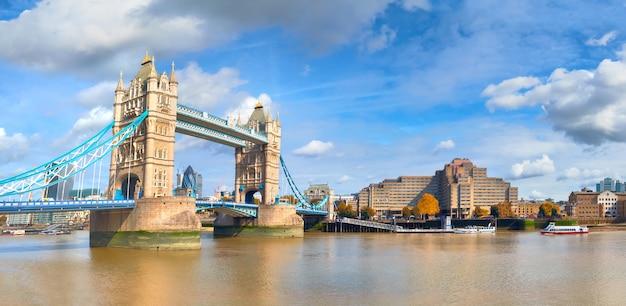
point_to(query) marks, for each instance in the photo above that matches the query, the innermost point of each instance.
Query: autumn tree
(416, 211)
(479, 212)
(549, 209)
(428, 205)
(502, 210)
(345, 210)
(406, 212)
(368, 212)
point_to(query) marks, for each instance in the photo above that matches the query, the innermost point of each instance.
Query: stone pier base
(272, 221)
(165, 223)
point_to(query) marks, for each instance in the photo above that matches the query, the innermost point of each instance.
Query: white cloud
(205, 91)
(588, 106)
(602, 41)
(506, 94)
(536, 195)
(245, 108)
(315, 148)
(573, 173)
(529, 168)
(445, 145)
(13, 147)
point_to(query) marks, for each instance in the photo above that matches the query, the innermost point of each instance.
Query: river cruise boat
(473, 229)
(553, 229)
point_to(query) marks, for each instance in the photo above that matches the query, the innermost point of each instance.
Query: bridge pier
(272, 221)
(164, 223)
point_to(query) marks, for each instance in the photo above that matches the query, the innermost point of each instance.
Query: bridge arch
(130, 187)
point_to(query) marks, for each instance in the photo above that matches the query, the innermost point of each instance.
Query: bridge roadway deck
(236, 209)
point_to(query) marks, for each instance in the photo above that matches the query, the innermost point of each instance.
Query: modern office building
(459, 187)
(610, 185)
(190, 180)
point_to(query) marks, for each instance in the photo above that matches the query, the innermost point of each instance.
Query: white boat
(473, 229)
(553, 229)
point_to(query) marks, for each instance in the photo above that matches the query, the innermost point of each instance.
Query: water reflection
(506, 268)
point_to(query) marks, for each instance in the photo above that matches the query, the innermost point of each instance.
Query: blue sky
(535, 91)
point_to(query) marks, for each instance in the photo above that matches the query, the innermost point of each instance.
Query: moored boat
(553, 229)
(473, 229)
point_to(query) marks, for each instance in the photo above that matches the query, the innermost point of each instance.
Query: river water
(506, 268)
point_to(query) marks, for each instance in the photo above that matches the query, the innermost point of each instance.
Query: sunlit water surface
(506, 268)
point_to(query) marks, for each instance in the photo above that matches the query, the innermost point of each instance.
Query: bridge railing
(44, 206)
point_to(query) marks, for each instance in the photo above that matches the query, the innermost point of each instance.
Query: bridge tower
(143, 166)
(257, 166)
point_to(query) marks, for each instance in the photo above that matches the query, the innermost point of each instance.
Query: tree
(549, 209)
(479, 212)
(344, 210)
(416, 211)
(406, 212)
(428, 205)
(368, 212)
(502, 210)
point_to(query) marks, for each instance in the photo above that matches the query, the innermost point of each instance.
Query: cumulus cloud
(445, 145)
(602, 41)
(315, 148)
(14, 147)
(204, 91)
(77, 36)
(534, 168)
(245, 107)
(574, 173)
(588, 106)
(535, 195)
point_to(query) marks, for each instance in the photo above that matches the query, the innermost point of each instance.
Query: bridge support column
(271, 221)
(165, 223)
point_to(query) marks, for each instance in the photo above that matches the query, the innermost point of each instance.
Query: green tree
(344, 210)
(367, 212)
(406, 212)
(428, 205)
(502, 210)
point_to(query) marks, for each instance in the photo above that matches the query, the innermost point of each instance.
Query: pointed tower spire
(173, 75)
(120, 83)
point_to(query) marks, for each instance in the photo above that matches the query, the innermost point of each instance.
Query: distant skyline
(534, 91)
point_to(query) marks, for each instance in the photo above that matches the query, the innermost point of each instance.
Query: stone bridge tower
(143, 165)
(257, 167)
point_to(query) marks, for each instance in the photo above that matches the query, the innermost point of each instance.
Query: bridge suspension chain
(302, 200)
(71, 163)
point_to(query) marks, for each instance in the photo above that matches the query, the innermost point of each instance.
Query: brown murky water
(506, 268)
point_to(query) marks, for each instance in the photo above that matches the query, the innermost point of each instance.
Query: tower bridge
(146, 117)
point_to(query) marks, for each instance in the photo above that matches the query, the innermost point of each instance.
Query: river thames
(506, 268)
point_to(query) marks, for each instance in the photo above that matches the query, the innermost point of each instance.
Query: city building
(61, 189)
(526, 209)
(588, 204)
(610, 185)
(459, 187)
(189, 183)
